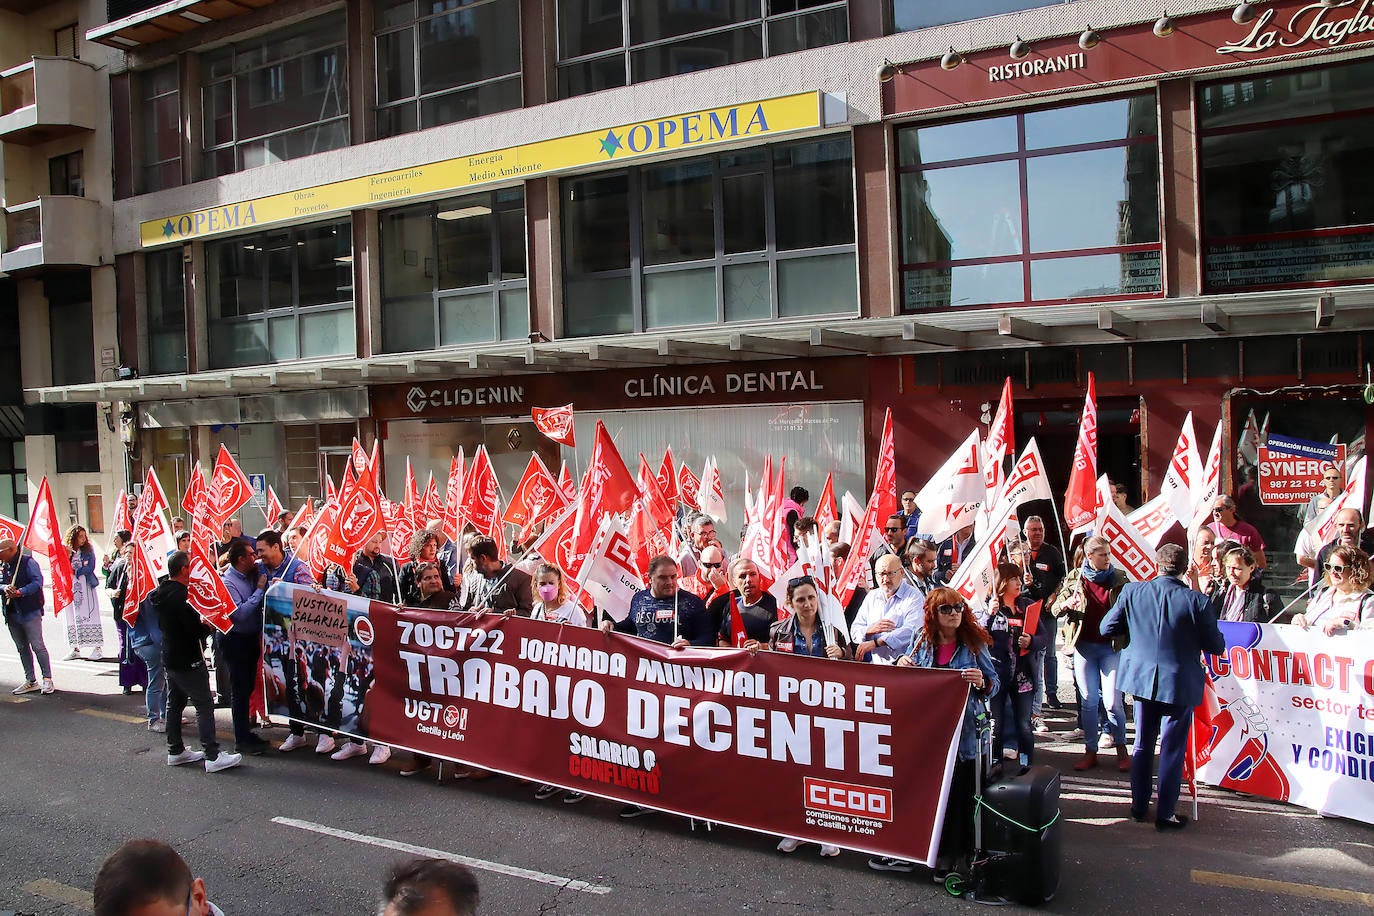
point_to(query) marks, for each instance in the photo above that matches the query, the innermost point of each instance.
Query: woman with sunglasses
(1012, 649)
(804, 633)
(1347, 603)
(1244, 598)
(951, 638)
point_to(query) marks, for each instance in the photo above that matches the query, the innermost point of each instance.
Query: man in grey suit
(1169, 626)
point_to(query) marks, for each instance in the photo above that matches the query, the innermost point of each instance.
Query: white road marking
(513, 871)
(62, 893)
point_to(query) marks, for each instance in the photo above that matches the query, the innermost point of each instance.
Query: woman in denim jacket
(951, 638)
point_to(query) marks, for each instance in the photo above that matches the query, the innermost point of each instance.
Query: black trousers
(956, 839)
(191, 684)
(241, 652)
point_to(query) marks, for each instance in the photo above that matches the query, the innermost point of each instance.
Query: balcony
(48, 98)
(56, 231)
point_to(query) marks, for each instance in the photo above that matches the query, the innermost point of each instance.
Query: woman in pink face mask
(553, 604)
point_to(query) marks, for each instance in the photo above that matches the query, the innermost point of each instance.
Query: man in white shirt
(890, 616)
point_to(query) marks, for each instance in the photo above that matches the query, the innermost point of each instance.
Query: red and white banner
(1081, 499)
(609, 570)
(1287, 724)
(830, 752)
(1131, 553)
(229, 489)
(122, 520)
(951, 498)
(536, 496)
(1153, 520)
(826, 512)
(1000, 442)
(9, 528)
(274, 506)
(480, 495)
(556, 423)
(45, 537)
(1181, 476)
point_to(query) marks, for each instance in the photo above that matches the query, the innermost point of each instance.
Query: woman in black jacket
(1012, 649)
(1244, 598)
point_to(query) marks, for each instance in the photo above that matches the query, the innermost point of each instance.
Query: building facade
(415, 222)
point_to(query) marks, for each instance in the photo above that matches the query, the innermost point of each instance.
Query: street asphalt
(299, 833)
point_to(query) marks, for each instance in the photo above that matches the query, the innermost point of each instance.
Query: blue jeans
(28, 639)
(1095, 671)
(157, 680)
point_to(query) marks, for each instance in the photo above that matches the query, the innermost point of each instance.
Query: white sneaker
(324, 745)
(380, 754)
(176, 760)
(1075, 735)
(1106, 742)
(158, 725)
(47, 685)
(292, 742)
(74, 654)
(95, 654)
(349, 750)
(788, 844)
(26, 687)
(223, 762)
(829, 851)
(1039, 725)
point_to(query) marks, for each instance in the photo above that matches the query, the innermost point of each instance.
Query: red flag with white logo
(359, 519)
(313, 548)
(45, 537)
(854, 572)
(195, 491)
(950, 500)
(206, 591)
(229, 491)
(434, 506)
(1081, 499)
(1131, 553)
(9, 528)
(608, 571)
(536, 496)
(565, 482)
(453, 497)
(737, 635)
(122, 519)
(302, 517)
(687, 486)
(556, 423)
(480, 495)
(667, 476)
(1000, 442)
(411, 496)
(711, 494)
(401, 523)
(606, 487)
(151, 528)
(274, 506)
(141, 583)
(1180, 477)
(826, 512)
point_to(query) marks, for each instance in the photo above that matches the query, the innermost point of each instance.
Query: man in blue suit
(1169, 626)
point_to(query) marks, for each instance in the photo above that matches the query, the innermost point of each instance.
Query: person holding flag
(746, 607)
(804, 633)
(242, 645)
(21, 586)
(1013, 648)
(497, 586)
(1168, 626)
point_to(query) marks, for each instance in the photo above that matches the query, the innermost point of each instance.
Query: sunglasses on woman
(950, 610)
(1338, 570)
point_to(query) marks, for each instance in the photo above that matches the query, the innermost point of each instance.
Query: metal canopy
(168, 20)
(1349, 309)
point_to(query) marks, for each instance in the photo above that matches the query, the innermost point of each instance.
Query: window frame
(155, 327)
(494, 288)
(148, 98)
(771, 255)
(1021, 156)
(419, 97)
(628, 48)
(250, 50)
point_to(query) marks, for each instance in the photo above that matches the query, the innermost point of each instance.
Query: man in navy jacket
(21, 586)
(1169, 626)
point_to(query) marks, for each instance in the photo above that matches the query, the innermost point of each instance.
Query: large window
(607, 43)
(742, 236)
(279, 96)
(919, 14)
(1042, 206)
(1287, 194)
(281, 295)
(160, 120)
(453, 272)
(445, 62)
(166, 312)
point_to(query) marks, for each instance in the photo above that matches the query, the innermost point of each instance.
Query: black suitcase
(1021, 836)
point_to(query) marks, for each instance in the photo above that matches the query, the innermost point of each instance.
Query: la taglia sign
(1200, 43)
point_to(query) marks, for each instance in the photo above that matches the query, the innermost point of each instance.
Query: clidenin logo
(417, 399)
(686, 130)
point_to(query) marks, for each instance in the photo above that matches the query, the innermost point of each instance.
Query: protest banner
(853, 755)
(1290, 470)
(316, 665)
(1295, 708)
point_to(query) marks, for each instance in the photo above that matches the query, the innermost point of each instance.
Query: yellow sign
(751, 120)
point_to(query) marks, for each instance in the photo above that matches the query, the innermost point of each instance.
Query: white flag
(608, 572)
(1131, 553)
(711, 496)
(1179, 477)
(1323, 527)
(1206, 487)
(950, 500)
(1153, 519)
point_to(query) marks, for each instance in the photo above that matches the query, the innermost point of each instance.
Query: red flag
(141, 583)
(1081, 499)
(855, 568)
(274, 506)
(401, 523)
(1000, 442)
(11, 529)
(565, 482)
(360, 458)
(606, 487)
(667, 477)
(555, 545)
(885, 474)
(556, 423)
(411, 496)
(453, 497)
(122, 521)
(687, 486)
(302, 516)
(536, 496)
(737, 634)
(826, 512)
(330, 494)
(359, 519)
(150, 522)
(206, 591)
(229, 488)
(434, 506)
(195, 491)
(45, 537)
(651, 519)
(314, 546)
(780, 551)
(480, 494)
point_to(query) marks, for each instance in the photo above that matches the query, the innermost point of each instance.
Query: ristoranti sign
(1199, 43)
(774, 382)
